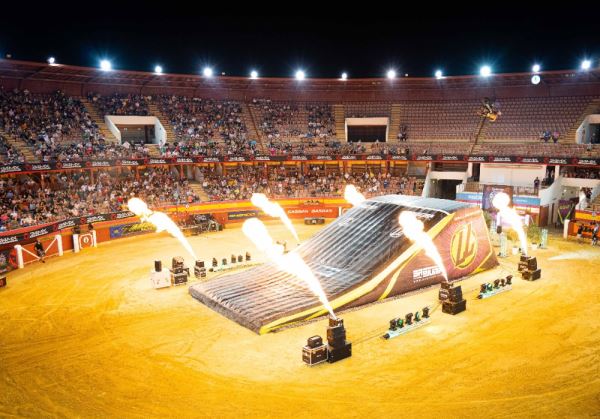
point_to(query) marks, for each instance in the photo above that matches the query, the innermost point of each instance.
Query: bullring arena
(443, 266)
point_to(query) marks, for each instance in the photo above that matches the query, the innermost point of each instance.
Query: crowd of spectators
(580, 172)
(243, 182)
(9, 154)
(25, 201)
(206, 127)
(121, 104)
(45, 118)
(89, 149)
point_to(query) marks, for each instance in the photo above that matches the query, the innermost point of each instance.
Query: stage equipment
(487, 290)
(199, 269)
(399, 326)
(315, 351)
(529, 269)
(452, 299)
(2, 281)
(248, 257)
(240, 258)
(215, 263)
(179, 272)
(233, 259)
(224, 261)
(160, 278)
(339, 347)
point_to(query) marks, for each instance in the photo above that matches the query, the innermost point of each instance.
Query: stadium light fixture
(536, 79)
(105, 65)
(586, 65)
(254, 74)
(158, 69)
(391, 74)
(300, 75)
(207, 72)
(344, 76)
(51, 60)
(536, 68)
(485, 71)
(439, 74)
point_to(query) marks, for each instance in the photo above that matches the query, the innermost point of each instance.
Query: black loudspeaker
(177, 262)
(233, 259)
(2, 281)
(499, 229)
(314, 341)
(316, 355)
(215, 263)
(454, 308)
(240, 258)
(224, 261)
(179, 278)
(157, 265)
(220, 227)
(532, 275)
(336, 335)
(248, 256)
(450, 292)
(338, 353)
(200, 264)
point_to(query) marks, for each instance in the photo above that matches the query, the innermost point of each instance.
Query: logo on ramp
(463, 246)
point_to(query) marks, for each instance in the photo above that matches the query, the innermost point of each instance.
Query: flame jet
(160, 220)
(500, 202)
(413, 229)
(274, 210)
(291, 262)
(353, 196)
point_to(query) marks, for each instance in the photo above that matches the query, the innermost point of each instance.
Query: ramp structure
(361, 257)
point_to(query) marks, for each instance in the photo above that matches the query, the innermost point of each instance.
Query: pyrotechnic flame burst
(161, 221)
(274, 210)
(412, 228)
(500, 202)
(353, 196)
(291, 262)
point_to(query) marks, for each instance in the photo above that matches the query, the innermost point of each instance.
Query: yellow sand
(85, 335)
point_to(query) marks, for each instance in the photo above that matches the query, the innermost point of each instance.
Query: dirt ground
(86, 336)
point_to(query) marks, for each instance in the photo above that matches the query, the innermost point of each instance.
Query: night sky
(459, 42)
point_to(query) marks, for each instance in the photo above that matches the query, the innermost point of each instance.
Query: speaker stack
(452, 299)
(339, 347)
(179, 273)
(199, 269)
(529, 269)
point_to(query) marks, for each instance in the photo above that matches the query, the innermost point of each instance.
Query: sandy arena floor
(87, 336)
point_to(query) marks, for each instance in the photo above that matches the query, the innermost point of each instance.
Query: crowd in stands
(206, 127)
(9, 154)
(44, 119)
(25, 201)
(121, 104)
(580, 172)
(296, 128)
(90, 149)
(242, 183)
